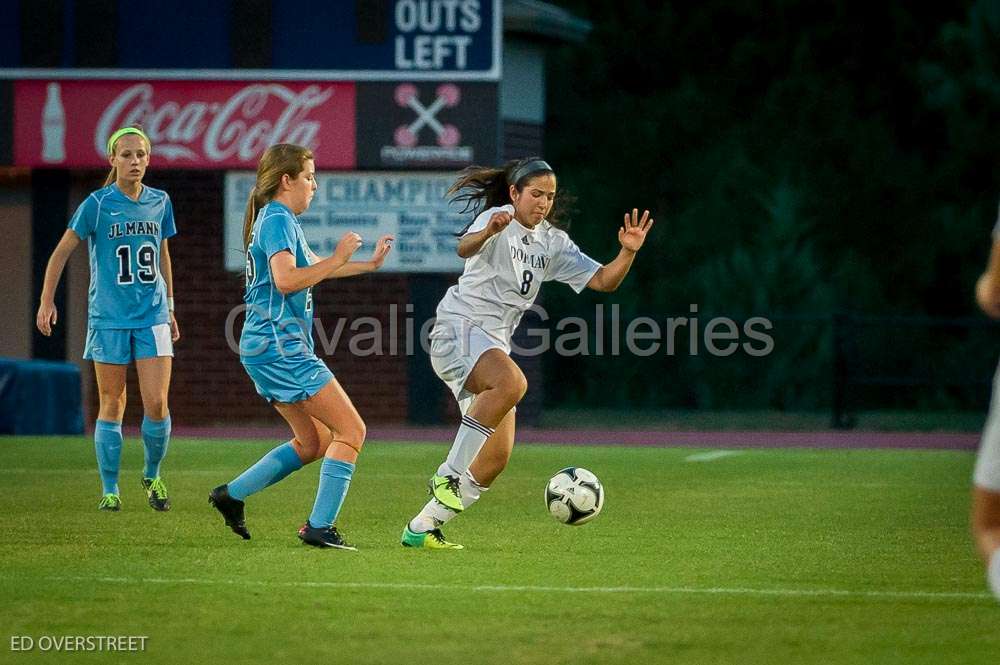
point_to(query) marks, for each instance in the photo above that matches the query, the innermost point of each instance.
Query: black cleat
(231, 509)
(325, 537)
(156, 492)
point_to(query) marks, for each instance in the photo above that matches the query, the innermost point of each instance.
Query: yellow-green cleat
(110, 502)
(446, 491)
(430, 540)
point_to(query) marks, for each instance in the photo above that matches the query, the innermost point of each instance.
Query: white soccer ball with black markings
(574, 496)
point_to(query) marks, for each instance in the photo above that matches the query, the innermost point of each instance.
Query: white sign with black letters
(410, 206)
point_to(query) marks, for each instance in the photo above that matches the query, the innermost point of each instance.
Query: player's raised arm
(352, 268)
(47, 315)
(289, 279)
(471, 243)
(631, 235)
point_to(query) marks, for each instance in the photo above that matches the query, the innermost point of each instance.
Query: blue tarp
(40, 397)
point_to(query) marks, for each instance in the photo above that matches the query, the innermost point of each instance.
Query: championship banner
(410, 206)
(192, 124)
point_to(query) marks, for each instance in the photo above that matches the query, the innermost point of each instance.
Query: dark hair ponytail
(484, 187)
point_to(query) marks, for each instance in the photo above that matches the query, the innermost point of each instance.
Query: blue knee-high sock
(108, 446)
(268, 470)
(334, 479)
(155, 439)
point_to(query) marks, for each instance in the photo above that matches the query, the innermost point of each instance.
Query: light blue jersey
(124, 236)
(277, 326)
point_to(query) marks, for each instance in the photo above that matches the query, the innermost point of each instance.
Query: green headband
(122, 132)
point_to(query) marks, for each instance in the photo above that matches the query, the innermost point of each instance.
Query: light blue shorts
(120, 346)
(290, 379)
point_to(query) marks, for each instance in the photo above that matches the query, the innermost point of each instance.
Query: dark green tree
(837, 156)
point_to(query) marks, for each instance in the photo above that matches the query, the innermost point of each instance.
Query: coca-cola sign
(191, 125)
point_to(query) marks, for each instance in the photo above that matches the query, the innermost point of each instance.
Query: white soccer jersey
(500, 282)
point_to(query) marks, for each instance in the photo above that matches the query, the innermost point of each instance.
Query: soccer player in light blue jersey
(276, 346)
(131, 318)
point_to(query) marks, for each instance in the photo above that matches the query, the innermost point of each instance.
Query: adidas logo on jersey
(526, 240)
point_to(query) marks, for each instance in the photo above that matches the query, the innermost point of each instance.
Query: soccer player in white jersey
(986, 478)
(511, 247)
(131, 311)
(276, 347)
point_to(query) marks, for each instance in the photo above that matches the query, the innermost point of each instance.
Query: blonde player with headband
(131, 310)
(513, 245)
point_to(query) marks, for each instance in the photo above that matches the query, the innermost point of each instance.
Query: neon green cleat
(446, 490)
(110, 502)
(431, 540)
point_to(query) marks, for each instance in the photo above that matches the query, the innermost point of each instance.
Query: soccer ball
(574, 496)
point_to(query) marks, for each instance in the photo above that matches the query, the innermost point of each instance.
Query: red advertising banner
(192, 124)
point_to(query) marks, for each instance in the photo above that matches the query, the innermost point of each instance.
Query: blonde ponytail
(278, 160)
(249, 216)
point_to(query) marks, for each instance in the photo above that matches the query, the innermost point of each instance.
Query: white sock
(471, 490)
(430, 517)
(433, 514)
(993, 573)
(468, 442)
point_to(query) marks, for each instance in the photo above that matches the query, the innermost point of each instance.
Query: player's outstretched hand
(987, 296)
(634, 229)
(498, 222)
(175, 331)
(382, 248)
(349, 243)
(46, 318)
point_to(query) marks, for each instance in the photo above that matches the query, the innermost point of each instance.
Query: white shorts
(455, 347)
(987, 473)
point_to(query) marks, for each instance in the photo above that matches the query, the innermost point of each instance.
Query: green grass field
(766, 556)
